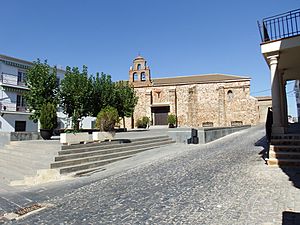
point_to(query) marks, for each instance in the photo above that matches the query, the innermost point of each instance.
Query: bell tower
(139, 72)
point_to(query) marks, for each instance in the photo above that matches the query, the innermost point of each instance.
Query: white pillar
(284, 104)
(276, 95)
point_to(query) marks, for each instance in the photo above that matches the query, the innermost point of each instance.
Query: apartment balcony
(12, 80)
(280, 42)
(12, 108)
(280, 46)
(281, 26)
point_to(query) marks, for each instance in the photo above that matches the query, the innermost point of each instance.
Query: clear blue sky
(176, 37)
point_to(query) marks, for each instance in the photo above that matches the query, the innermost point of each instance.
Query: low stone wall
(211, 134)
(205, 135)
(180, 135)
(24, 136)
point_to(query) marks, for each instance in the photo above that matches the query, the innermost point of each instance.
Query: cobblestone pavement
(224, 182)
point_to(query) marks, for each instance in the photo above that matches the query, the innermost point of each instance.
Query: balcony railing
(11, 79)
(280, 26)
(12, 107)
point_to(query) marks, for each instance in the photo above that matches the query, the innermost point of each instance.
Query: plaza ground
(223, 182)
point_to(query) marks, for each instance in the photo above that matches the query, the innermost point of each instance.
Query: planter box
(76, 138)
(102, 136)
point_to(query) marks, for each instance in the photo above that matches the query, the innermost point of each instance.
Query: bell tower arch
(139, 72)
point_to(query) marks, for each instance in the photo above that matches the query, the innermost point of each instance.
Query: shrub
(143, 122)
(107, 118)
(48, 117)
(171, 119)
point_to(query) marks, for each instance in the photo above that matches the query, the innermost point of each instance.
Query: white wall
(8, 122)
(86, 123)
(9, 69)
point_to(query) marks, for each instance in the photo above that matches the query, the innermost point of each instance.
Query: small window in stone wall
(93, 124)
(207, 124)
(0, 125)
(229, 95)
(236, 123)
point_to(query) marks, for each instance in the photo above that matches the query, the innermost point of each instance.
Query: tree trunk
(77, 125)
(124, 122)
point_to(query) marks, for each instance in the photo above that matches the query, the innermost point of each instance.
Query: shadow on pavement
(293, 174)
(290, 218)
(263, 143)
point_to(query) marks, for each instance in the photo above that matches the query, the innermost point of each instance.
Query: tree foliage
(76, 92)
(171, 119)
(125, 99)
(107, 118)
(42, 83)
(48, 117)
(103, 93)
(143, 122)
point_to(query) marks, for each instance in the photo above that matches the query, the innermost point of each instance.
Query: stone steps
(103, 150)
(83, 159)
(285, 150)
(82, 168)
(32, 162)
(284, 155)
(284, 162)
(89, 146)
(286, 142)
(286, 136)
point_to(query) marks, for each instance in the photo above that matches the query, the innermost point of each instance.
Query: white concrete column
(276, 95)
(284, 107)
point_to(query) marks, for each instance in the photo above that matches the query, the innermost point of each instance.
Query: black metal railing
(280, 26)
(12, 79)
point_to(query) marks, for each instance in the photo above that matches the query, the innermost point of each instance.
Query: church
(205, 100)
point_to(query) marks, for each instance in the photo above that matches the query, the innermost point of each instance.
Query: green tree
(75, 94)
(103, 93)
(107, 118)
(125, 99)
(48, 118)
(42, 83)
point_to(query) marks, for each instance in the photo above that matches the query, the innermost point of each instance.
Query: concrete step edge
(283, 160)
(287, 140)
(96, 148)
(284, 146)
(107, 144)
(284, 153)
(96, 164)
(105, 151)
(80, 161)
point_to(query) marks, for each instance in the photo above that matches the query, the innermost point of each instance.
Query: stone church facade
(209, 100)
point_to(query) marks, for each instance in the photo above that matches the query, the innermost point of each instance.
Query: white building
(14, 116)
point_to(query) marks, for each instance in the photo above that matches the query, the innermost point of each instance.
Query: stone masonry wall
(217, 104)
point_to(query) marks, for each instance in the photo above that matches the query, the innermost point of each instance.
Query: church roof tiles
(205, 78)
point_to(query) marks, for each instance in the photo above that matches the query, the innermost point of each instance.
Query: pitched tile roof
(204, 78)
